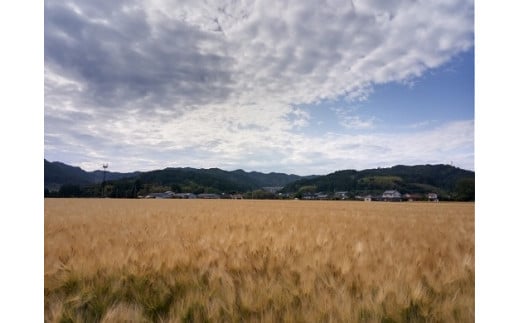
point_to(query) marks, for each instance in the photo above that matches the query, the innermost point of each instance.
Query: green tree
(465, 189)
(70, 190)
(263, 195)
(305, 190)
(176, 188)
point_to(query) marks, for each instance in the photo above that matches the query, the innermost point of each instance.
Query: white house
(391, 195)
(433, 197)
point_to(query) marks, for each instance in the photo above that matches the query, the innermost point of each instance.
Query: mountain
(180, 179)
(57, 174)
(444, 180)
(270, 179)
(447, 181)
(213, 180)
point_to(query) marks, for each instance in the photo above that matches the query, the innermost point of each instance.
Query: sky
(298, 87)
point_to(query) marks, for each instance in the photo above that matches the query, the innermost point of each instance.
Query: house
(341, 195)
(165, 195)
(391, 195)
(433, 197)
(208, 196)
(412, 197)
(321, 196)
(184, 196)
(308, 196)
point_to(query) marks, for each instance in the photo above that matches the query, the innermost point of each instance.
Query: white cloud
(448, 142)
(162, 83)
(421, 124)
(349, 119)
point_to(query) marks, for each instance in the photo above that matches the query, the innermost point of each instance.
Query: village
(274, 193)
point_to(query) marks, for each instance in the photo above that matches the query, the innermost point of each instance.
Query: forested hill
(57, 174)
(214, 179)
(445, 180)
(185, 179)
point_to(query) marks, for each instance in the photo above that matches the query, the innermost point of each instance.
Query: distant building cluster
(386, 196)
(172, 195)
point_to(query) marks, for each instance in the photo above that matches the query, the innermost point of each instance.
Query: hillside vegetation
(69, 181)
(450, 183)
(447, 181)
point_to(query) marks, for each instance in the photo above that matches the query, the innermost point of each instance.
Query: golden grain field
(258, 261)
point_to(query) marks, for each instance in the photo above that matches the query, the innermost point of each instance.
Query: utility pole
(105, 166)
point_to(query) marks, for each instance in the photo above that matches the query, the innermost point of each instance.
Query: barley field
(258, 261)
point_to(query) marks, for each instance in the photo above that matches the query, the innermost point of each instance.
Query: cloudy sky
(303, 87)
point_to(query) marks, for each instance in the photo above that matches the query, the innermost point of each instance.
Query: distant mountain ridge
(447, 181)
(57, 174)
(441, 179)
(216, 179)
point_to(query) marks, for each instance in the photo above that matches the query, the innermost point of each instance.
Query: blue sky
(291, 86)
(440, 95)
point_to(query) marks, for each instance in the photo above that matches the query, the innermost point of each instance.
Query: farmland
(258, 261)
